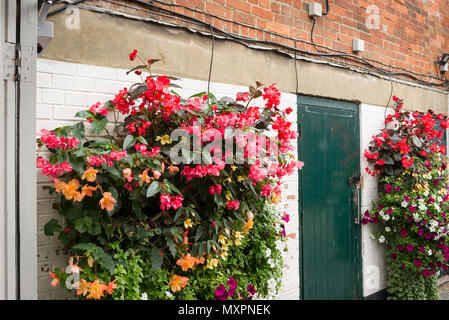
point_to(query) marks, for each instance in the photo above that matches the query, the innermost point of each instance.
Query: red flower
(407, 163)
(132, 55)
(233, 204)
(380, 162)
(371, 156)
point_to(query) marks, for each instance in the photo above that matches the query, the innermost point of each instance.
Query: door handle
(355, 181)
(356, 203)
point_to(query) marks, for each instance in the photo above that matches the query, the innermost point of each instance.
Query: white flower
(426, 193)
(271, 263)
(372, 236)
(387, 229)
(168, 294)
(404, 204)
(386, 217)
(144, 296)
(439, 199)
(268, 252)
(437, 207)
(422, 207)
(381, 239)
(429, 252)
(432, 229)
(272, 286)
(434, 223)
(416, 217)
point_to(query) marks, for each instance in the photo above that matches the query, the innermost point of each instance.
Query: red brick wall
(412, 33)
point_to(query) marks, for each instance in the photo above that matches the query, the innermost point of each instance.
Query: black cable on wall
(335, 54)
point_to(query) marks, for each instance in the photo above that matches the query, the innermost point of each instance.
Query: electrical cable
(211, 59)
(62, 8)
(389, 99)
(281, 35)
(342, 55)
(200, 22)
(327, 8)
(311, 37)
(296, 72)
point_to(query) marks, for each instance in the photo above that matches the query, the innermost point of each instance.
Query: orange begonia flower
(75, 269)
(275, 198)
(70, 189)
(58, 185)
(177, 283)
(83, 287)
(144, 177)
(87, 190)
(248, 226)
(96, 290)
(173, 169)
(187, 262)
(156, 174)
(90, 175)
(111, 286)
(107, 201)
(79, 196)
(127, 173)
(55, 281)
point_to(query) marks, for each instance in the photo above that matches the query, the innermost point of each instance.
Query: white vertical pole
(11, 181)
(8, 278)
(27, 151)
(2, 163)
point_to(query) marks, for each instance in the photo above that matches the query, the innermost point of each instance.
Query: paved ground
(444, 291)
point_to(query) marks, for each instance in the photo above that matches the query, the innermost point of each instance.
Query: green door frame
(339, 105)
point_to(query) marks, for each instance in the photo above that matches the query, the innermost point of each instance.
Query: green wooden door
(330, 234)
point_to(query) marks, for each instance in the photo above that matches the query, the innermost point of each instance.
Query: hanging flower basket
(170, 198)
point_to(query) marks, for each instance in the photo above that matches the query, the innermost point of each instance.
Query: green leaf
(99, 125)
(172, 187)
(85, 114)
(84, 246)
(153, 189)
(98, 253)
(108, 263)
(94, 229)
(78, 131)
(156, 258)
(73, 213)
(129, 142)
(172, 247)
(51, 227)
(199, 233)
(82, 223)
(76, 164)
(202, 247)
(142, 140)
(112, 170)
(179, 213)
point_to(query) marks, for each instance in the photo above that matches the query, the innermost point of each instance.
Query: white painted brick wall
(63, 89)
(373, 253)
